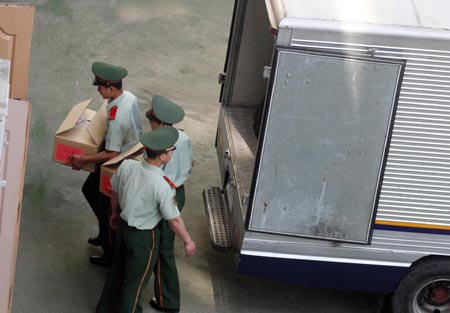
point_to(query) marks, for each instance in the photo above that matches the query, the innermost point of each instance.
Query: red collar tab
(170, 182)
(112, 112)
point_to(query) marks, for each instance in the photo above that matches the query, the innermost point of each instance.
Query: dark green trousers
(133, 263)
(167, 286)
(100, 205)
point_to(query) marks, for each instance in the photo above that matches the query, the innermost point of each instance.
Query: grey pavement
(174, 48)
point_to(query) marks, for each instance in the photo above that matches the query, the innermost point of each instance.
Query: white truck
(333, 145)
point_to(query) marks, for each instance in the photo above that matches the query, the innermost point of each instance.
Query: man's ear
(163, 157)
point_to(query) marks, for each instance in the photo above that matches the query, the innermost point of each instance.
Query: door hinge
(267, 71)
(221, 77)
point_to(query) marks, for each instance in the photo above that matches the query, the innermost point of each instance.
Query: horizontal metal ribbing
(411, 243)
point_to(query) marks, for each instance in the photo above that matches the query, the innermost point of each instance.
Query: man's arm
(78, 161)
(115, 213)
(185, 162)
(177, 226)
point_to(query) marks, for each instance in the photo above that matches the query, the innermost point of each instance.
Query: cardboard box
(110, 167)
(13, 163)
(82, 132)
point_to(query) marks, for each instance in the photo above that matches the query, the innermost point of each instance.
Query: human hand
(189, 248)
(114, 220)
(77, 162)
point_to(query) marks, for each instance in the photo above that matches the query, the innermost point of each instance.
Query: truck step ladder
(217, 218)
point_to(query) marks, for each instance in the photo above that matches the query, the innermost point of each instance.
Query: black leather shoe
(100, 260)
(155, 305)
(95, 241)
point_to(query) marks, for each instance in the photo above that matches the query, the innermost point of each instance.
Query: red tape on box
(64, 152)
(105, 185)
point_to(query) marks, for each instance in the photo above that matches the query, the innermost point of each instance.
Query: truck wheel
(425, 289)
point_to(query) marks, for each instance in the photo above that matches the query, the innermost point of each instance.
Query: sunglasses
(154, 119)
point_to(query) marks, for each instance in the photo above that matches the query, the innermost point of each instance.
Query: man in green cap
(167, 288)
(123, 131)
(142, 196)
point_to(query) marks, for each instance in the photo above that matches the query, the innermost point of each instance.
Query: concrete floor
(173, 48)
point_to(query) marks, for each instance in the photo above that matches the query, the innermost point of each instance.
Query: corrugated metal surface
(416, 186)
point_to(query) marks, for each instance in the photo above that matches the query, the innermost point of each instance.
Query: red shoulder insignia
(112, 112)
(170, 182)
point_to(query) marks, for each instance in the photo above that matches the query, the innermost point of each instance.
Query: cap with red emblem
(106, 74)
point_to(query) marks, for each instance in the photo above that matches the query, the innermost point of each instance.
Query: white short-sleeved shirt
(123, 123)
(145, 197)
(180, 165)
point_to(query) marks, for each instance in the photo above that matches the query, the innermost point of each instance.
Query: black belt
(179, 187)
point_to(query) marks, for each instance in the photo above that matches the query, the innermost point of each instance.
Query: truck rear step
(217, 218)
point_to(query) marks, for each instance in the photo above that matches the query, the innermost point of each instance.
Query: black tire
(425, 288)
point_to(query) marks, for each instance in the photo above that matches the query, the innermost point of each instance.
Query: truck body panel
(348, 170)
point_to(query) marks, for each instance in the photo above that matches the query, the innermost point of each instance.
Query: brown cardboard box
(82, 132)
(110, 167)
(13, 165)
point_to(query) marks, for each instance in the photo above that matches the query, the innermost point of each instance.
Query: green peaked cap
(165, 110)
(160, 139)
(108, 72)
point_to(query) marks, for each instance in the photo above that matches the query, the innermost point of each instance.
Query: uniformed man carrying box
(123, 131)
(142, 196)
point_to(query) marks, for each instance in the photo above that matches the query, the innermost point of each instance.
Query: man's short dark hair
(152, 154)
(117, 84)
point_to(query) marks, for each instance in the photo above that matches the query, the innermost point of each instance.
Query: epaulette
(170, 182)
(112, 113)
